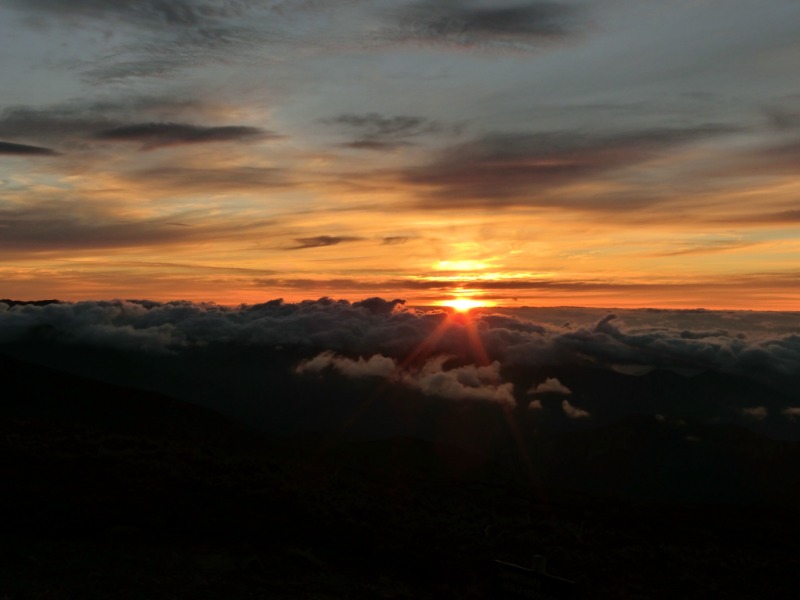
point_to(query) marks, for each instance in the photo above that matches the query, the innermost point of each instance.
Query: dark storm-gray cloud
(474, 23)
(156, 135)
(123, 119)
(54, 123)
(12, 149)
(515, 168)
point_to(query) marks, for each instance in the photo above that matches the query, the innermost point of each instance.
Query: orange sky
(525, 154)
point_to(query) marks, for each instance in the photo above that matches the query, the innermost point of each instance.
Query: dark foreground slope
(114, 492)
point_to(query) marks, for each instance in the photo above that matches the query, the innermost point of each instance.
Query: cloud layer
(379, 327)
(746, 375)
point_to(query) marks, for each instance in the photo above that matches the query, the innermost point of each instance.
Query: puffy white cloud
(468, 382)
(574, 412)
(551, 385)
(375, 366)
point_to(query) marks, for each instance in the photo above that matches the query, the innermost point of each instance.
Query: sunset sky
(611, 153)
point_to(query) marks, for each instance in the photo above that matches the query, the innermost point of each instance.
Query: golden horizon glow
(300, 178)
(463, 305)
(460, 265)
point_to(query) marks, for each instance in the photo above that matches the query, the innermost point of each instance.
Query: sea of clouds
(480, 357)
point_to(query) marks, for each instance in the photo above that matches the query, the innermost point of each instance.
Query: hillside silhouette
(114, 491)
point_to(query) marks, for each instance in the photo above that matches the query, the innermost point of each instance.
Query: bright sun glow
(463, 304)
(460, 265)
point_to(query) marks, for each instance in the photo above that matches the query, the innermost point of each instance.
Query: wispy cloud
(373, 131)
(186, 13)
(320, 241)
(122, 119)
(472, 24)
(395, 239)
(159, 38)
(53, 226)
(516, 168)
(156, 135)
(711, 247)
(12, 149)
(182, 179)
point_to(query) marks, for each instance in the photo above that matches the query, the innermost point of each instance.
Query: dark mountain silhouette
(709, 396)
(28, 302)
(114, 491)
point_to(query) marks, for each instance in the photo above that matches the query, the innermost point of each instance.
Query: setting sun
(464, 304)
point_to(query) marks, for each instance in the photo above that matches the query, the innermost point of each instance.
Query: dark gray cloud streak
(345, 285)
(56, 123)
(156, 135)
(79, 122)
(469, 24)
(12, 149)
(321, 241)
(515, 168)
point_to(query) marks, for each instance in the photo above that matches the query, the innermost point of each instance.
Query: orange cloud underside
(208, 242)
